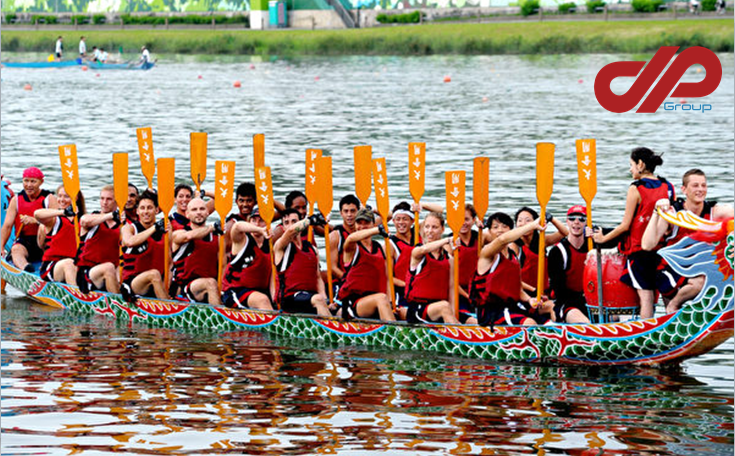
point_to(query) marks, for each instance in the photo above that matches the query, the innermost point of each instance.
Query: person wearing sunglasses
(566, 270)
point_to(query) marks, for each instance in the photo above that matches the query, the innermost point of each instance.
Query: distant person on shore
(694, 6)
(59, 51)
(82, 47)
(720, 6)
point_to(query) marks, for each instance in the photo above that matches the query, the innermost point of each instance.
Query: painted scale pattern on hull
(700, 326)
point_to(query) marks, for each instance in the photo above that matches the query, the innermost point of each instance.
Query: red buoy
(615, 293)
(27, 87)
(447, 79)
(237, 84)
(682, 101)
(199, 77)
(84, 68)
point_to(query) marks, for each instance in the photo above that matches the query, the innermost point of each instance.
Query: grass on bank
(509, 38)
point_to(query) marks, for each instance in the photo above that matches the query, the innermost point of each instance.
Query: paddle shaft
(602, 313)
(310, 232)
(416, 228)
(455, 271)
(389, 260)
(330, 292)
(221, 257)
(541, 283)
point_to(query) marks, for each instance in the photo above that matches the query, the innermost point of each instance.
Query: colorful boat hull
(700, 326)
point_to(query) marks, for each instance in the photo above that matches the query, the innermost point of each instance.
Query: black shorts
(349, 307)
(35, 254)
(47, 270)
(237, 298)
(418, 311)
(562, 308)
(149, 293)
(401, 297)
(83, 281)
(647, 271)
(500, 314)
(299, 302)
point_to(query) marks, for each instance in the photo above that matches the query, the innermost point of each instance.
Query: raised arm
(561, 232)
(496, 246)
(91, 220)
(239, 229)
(131, 239)
(183, 236)
(47, 217)
(353, 239)
(289, 235)
(422, 250)
(657, 227)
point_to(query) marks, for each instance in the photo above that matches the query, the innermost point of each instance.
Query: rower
(402, 243)
(497, 289)
(59, 238)
(526, 247)
(195, 256)
(98, 257)
(467, 251)
(429, 277)
(348, 207)
(131, 206)
(566, 270)
(296, 200)
(300, 285)
(246, 280)
(363, 290)
(182, 195)
(25, 251)
(144, 252)
(640, 202)
(694, 188)
(245, 200)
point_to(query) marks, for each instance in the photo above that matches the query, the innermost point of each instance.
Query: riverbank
(507, 38)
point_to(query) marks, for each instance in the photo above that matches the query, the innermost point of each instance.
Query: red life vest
(250, 267)
(402, 256)
(499, 285)
(101, 244)
(677, 232)
(61, 242)
(197, 259)
(28, 207)
(178, 221)
(651, 190)
(144, 257)
(298, 270)
(528, 260)
(430, 280)
(467, 261)
(366, 274)
(341, 246)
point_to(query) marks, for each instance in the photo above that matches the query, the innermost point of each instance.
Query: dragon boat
(79, 63)
(701, 325)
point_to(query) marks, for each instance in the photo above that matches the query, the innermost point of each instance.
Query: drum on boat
(617, 297)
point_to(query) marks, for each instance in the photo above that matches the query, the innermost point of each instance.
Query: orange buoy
(237, 84)
(199, 77)
(447, 79)
(27, 87)
(85, 67)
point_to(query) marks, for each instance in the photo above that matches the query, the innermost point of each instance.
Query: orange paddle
(198, 155)
(416, 168)
(544, 187)
(311, 156)
(166, 185)
(70, 176)
(383, 202)
(480, 191)
(258, 151)
(587, 172)
(264, 189)
(145, 148)
(455, 186)
(325, 201)
(120, 181)
(363, 170)
(224, 182)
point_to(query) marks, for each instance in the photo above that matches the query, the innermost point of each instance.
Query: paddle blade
(166, 183)
(455, 186)
(587, 168)
(70, 171)
(224, 176)
(381, 188)
(120, 178)
(258, 151)
(480, 185)
(145, 148)
(363, 170)
(544, 172)
(311, 157)
(198, 155)
(416, 168)
(264, 188)
(324, 196)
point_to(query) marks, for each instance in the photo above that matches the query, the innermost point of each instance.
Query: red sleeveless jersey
(430, 280)
(61, 242)
(528, 261)
(366, 274)
(467, 261)
(651, 190)
(298, 270)
(146, 256)
(101, 244)
(178, 221)
(197, 259)
(402, 255)
(572, 262)
(250, 268)
(28, 207)
(500, 284)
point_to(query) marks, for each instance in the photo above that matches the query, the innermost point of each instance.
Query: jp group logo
(647, 77)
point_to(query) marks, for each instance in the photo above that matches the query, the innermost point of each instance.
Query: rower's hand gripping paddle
(455, 191)
(311, 157)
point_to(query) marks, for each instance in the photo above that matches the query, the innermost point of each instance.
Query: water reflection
(77, 385)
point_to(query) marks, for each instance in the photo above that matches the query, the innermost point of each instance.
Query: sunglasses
(577, 218)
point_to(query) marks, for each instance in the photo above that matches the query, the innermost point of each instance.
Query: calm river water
(74, 385)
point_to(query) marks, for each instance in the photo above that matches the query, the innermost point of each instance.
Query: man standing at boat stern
(98, 257)
(25, 250)
(196, 256)
(566, 270)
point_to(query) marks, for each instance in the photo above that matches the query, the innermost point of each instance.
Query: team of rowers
(497, 283)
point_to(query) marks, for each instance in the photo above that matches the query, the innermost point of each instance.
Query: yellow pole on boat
(587, 174)
(325, 201)
(455, 195)
(264, 190)
(480, 192)
(120, 180)
(198, 156)
(70, 177)
(363, 172)
(544, 188)
(311, 157)
(383, 202)
(224, 181)
(145, 149)
(416, 178)
(166, 185)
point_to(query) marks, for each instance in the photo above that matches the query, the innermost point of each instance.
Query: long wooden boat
(79, 63)
(697, 328)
